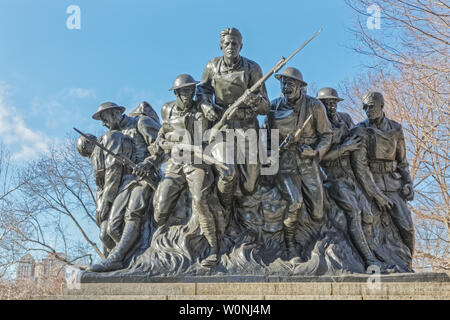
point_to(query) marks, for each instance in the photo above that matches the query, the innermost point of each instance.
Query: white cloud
(23, 142)
(60, 109)
(81, 93)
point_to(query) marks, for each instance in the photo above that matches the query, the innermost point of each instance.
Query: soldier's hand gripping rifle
(296, 138)
(229, 113)
(152, 179)
(290, 139)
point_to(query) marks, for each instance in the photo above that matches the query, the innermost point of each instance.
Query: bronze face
(111, 118)
(331, 106)
(231, 47)
(373, 109)
(291, 88)
(185, 96)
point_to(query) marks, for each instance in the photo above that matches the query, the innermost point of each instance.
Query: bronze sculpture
(224, 80)
(88, 149)
(256, 226)
(131, 136)
(340, 182)
(179, 118)
(382, 169)
(299, 177)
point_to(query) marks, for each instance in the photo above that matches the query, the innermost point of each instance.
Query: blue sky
(53, 78)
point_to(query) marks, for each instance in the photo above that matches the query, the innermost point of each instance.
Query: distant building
(29, 269)
(25, 269)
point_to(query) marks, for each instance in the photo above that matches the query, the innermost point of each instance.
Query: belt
(382, 166)
(340, 162)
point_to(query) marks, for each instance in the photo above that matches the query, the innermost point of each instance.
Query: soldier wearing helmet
(299, 175)
(182, 119)
(224, 80)
(341, 182)
(108, 178)
(382, 169)
(128, 199)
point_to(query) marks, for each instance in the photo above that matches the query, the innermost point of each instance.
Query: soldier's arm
(113, 168)
(338, 150)
(152, 133)
(266, 125)
(403, 166)
(323, 128)
(205, 91)
(402, 163)
(264, 105)
(360, 165)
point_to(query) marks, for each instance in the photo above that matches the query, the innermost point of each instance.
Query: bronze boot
(115, 258)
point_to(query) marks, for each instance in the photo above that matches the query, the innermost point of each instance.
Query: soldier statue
(104, 196)
(299, 177)
(340, 181)
(180, 117)
(129, 201)
(381, 166)
(224, 80)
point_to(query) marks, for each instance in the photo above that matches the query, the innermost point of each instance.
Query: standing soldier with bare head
(224, 80)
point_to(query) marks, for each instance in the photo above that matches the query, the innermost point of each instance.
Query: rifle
(152, 182)
(229, 113)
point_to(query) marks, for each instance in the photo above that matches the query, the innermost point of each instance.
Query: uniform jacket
(317, 133)
(381, 163)
(227, 84)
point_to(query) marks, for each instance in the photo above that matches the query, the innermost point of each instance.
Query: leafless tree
(57, 195)
(9, 220)
(411, 69)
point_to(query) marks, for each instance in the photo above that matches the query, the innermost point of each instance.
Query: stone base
(356, 287)
(90, 277)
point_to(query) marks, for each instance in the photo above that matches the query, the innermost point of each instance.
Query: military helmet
(183, 80)
(107, 106)
(84, 146)
(293, 73)
(373, 96)
(328, 93)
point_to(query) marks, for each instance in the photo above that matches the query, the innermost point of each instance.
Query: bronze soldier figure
(340, 181)
(224, 80)
(299, 177)
(132, 198)
(179, 118)
(381, 166)
(104, 196)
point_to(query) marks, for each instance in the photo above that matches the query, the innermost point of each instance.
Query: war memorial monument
(232, 193)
